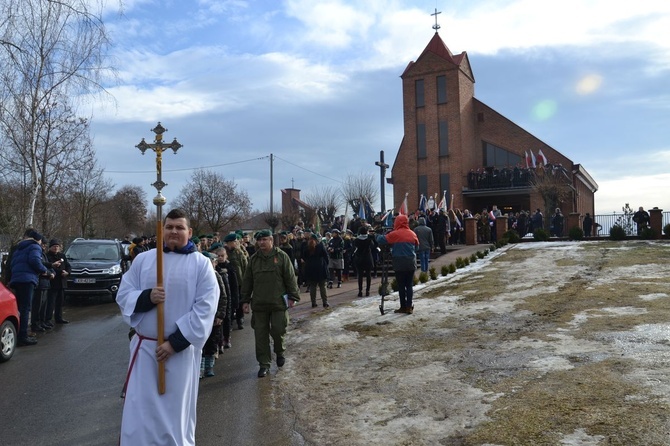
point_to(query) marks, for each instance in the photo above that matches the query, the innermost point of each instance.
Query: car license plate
(84, 280)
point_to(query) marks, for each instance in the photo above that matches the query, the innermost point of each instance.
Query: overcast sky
(317, 84)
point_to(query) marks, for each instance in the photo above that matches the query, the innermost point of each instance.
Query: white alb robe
(192, 293)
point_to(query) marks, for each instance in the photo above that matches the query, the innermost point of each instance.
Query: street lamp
(159, 200)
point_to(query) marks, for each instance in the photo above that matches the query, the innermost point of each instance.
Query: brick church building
(456, 145)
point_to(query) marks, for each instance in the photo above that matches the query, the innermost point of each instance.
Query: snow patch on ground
(352, 387)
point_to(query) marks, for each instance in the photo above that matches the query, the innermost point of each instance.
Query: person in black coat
(314, 260)
(587, 223)
(230, 282)
(56, 293)
(363, 246)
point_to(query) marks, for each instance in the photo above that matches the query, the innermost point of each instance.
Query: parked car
(9, 324)
(97, 267)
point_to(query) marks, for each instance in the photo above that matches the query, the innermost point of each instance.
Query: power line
(310, 171)
(186, 168)
(226, 164)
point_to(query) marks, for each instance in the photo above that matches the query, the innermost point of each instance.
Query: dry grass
(552, 349)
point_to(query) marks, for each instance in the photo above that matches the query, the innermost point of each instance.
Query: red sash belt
(132, 361)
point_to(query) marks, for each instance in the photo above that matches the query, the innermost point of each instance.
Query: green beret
(215, 246)
(263, 233)
(230, 237)
(195, 240)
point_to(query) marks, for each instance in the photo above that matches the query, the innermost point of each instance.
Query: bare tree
(49, 50)
(360, 186)
(90, 192)
(130, 209)
(554, 187)
(289, 219)
(11, 219)
(213, 202)
(325, 201)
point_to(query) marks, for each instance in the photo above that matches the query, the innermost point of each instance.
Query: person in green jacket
(270, 287)
(239, 260)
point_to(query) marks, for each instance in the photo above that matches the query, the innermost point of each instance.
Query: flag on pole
(361, 209)
(388, 218)
(532, 158)
(443, 203)
(346, 217)
(432, 202)
(422, 203)
(369, 211)
(528, 160)
(403, 207)
(541, 158)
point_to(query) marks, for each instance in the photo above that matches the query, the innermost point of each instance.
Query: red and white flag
(541, 158)
(532, 159)
(443, 202)
(528, 160)
(403, 206)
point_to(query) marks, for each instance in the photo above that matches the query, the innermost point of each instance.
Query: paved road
(65, 390)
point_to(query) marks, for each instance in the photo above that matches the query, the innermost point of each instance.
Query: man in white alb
(190, 292)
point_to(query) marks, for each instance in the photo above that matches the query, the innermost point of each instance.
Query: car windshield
(92, 251)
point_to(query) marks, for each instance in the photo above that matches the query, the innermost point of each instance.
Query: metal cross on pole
(382, 171)
(159, 200)
(436, 26)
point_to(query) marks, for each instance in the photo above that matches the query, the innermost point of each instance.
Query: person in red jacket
(404, 244)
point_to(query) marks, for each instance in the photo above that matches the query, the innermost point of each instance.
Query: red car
(9, 324)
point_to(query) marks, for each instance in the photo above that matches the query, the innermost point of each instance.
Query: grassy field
(538, 344)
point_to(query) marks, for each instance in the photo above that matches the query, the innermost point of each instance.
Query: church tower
(438, 92)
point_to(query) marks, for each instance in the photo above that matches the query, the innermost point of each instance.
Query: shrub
(473, 258)
(480, 254)
(666, 229)
(432, 273)
(384, 290)
(492, 248)
(617, 233)
(460, 263)
(415, 280)
(423, 277)
(576, 233)
(540, 235)
(511, 237)
(444, 270)
(452, 268)
(486, 252)
(466, 261)
(647, 234)
(394, 284)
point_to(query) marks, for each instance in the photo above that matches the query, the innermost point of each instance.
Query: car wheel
(8, 340)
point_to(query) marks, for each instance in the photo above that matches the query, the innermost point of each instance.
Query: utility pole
(272, 212)
(382, 171)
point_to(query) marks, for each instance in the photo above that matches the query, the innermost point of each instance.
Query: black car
(97, 267)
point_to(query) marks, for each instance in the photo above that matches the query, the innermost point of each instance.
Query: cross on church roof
(436, 26)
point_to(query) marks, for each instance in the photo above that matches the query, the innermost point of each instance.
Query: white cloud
(640, 179)
(332, 23)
